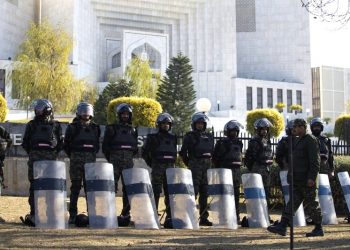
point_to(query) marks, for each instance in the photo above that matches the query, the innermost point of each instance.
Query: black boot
(317, 231)
(72, 219)
(279, 228)
(205, 222)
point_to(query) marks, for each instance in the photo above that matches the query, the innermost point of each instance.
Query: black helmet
(232, 125)
(164, 117)
(299, 122)
(316, 122)
(123, 107)
(289, 127)
(85, 108)
(43, 107)
(199, 117)
(262, 123)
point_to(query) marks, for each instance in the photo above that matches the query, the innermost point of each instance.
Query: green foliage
(309, 119)
(139, 74)
(271, 114)
(41, 69)
(90, 94)
(341, 127)
(113, 90)
(145, 110)
(3, 108)
(176, 94)
(279, 106)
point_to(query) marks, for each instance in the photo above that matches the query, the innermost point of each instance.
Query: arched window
(151, 53)
(116, 60)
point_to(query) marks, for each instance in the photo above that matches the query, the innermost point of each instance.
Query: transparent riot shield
(326, 200)
(344, 180)
(100, 195)
(221, 198)
(50, 194)
(141, 198)
(181, 198)
(256, 204)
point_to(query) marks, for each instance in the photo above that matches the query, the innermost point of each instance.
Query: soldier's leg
(298, 197)
(31, 186)
(266, 177)
(76, 172)
(236, 176)
(156, 183)
(311, 204)
(128, 163)
(203, 196)
(166, 195)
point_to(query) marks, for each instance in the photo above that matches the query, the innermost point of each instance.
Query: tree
(328, 10)
(3, 108)
(272, 115)
(41, 69)
(113, 90)
(296, 108)
(176, 94)
(140, 76)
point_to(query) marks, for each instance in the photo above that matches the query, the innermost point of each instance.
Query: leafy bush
(271, 114)
(341, 127)
(145, 110)
(3, 108)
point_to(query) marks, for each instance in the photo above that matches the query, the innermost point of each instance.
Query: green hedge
(3, 108)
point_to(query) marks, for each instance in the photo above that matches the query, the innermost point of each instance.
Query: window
(259, 96)
(249, 98)
(299, 100)
(116, 60)
(269, 98)
(289, 100)
(280, 95)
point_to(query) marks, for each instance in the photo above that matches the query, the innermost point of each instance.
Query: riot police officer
(326, 154)
(119, 147)
(196, 152)
(81, 144)
(228, 154)
(42, 140)
(306, 165)
(160, 152)
(282, 148)
(259, 155)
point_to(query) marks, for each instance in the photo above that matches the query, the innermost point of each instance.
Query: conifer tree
(176, 94)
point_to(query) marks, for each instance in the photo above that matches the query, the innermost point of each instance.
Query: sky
(330, 44)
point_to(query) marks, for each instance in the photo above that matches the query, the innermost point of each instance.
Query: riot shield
(181, 198)
(326, 200)
(221, 197)
(256, 204)
(50, 194)
(344, 180)
(299, 217)
(100, 195)
(141, 198)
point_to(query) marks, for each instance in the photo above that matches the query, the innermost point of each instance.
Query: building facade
(245, 53)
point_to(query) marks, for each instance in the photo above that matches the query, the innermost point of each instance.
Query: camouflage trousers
(159, 181)
(199, 169)
(264, 171)
(122, 159)
(77, 176)
(36, 155)
(307, 195)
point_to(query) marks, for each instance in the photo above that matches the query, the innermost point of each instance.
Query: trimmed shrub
(145, 110)
(341, 127)
(272, 115)
(3, 108)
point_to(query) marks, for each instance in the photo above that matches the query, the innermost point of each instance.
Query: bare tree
(329, 10)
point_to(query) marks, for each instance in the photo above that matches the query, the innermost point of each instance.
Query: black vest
(324, 151)
(43, 136)
(85, 138)
(165, 148)
(233, 155)
(265, 154)
(202, 145)
(124, 138)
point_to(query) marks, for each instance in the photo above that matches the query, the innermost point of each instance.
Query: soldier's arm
(218, 153)
(330, 155)
(59, 137)
(6, 136)
(98, 138)
(26, 138)
(280, 153)
(184, 150)
(251, 153)
(67, 139)
(146, 150)
(108, 135)
(313, 152)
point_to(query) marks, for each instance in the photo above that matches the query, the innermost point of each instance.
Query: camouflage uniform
(306, 165)
(5, 142)
(258, 159)
(81, 144)
(282, 153)
(196, 151)
(228, 154)
(119, 147)
(160, 152)
(326, 154)
(42, 140)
